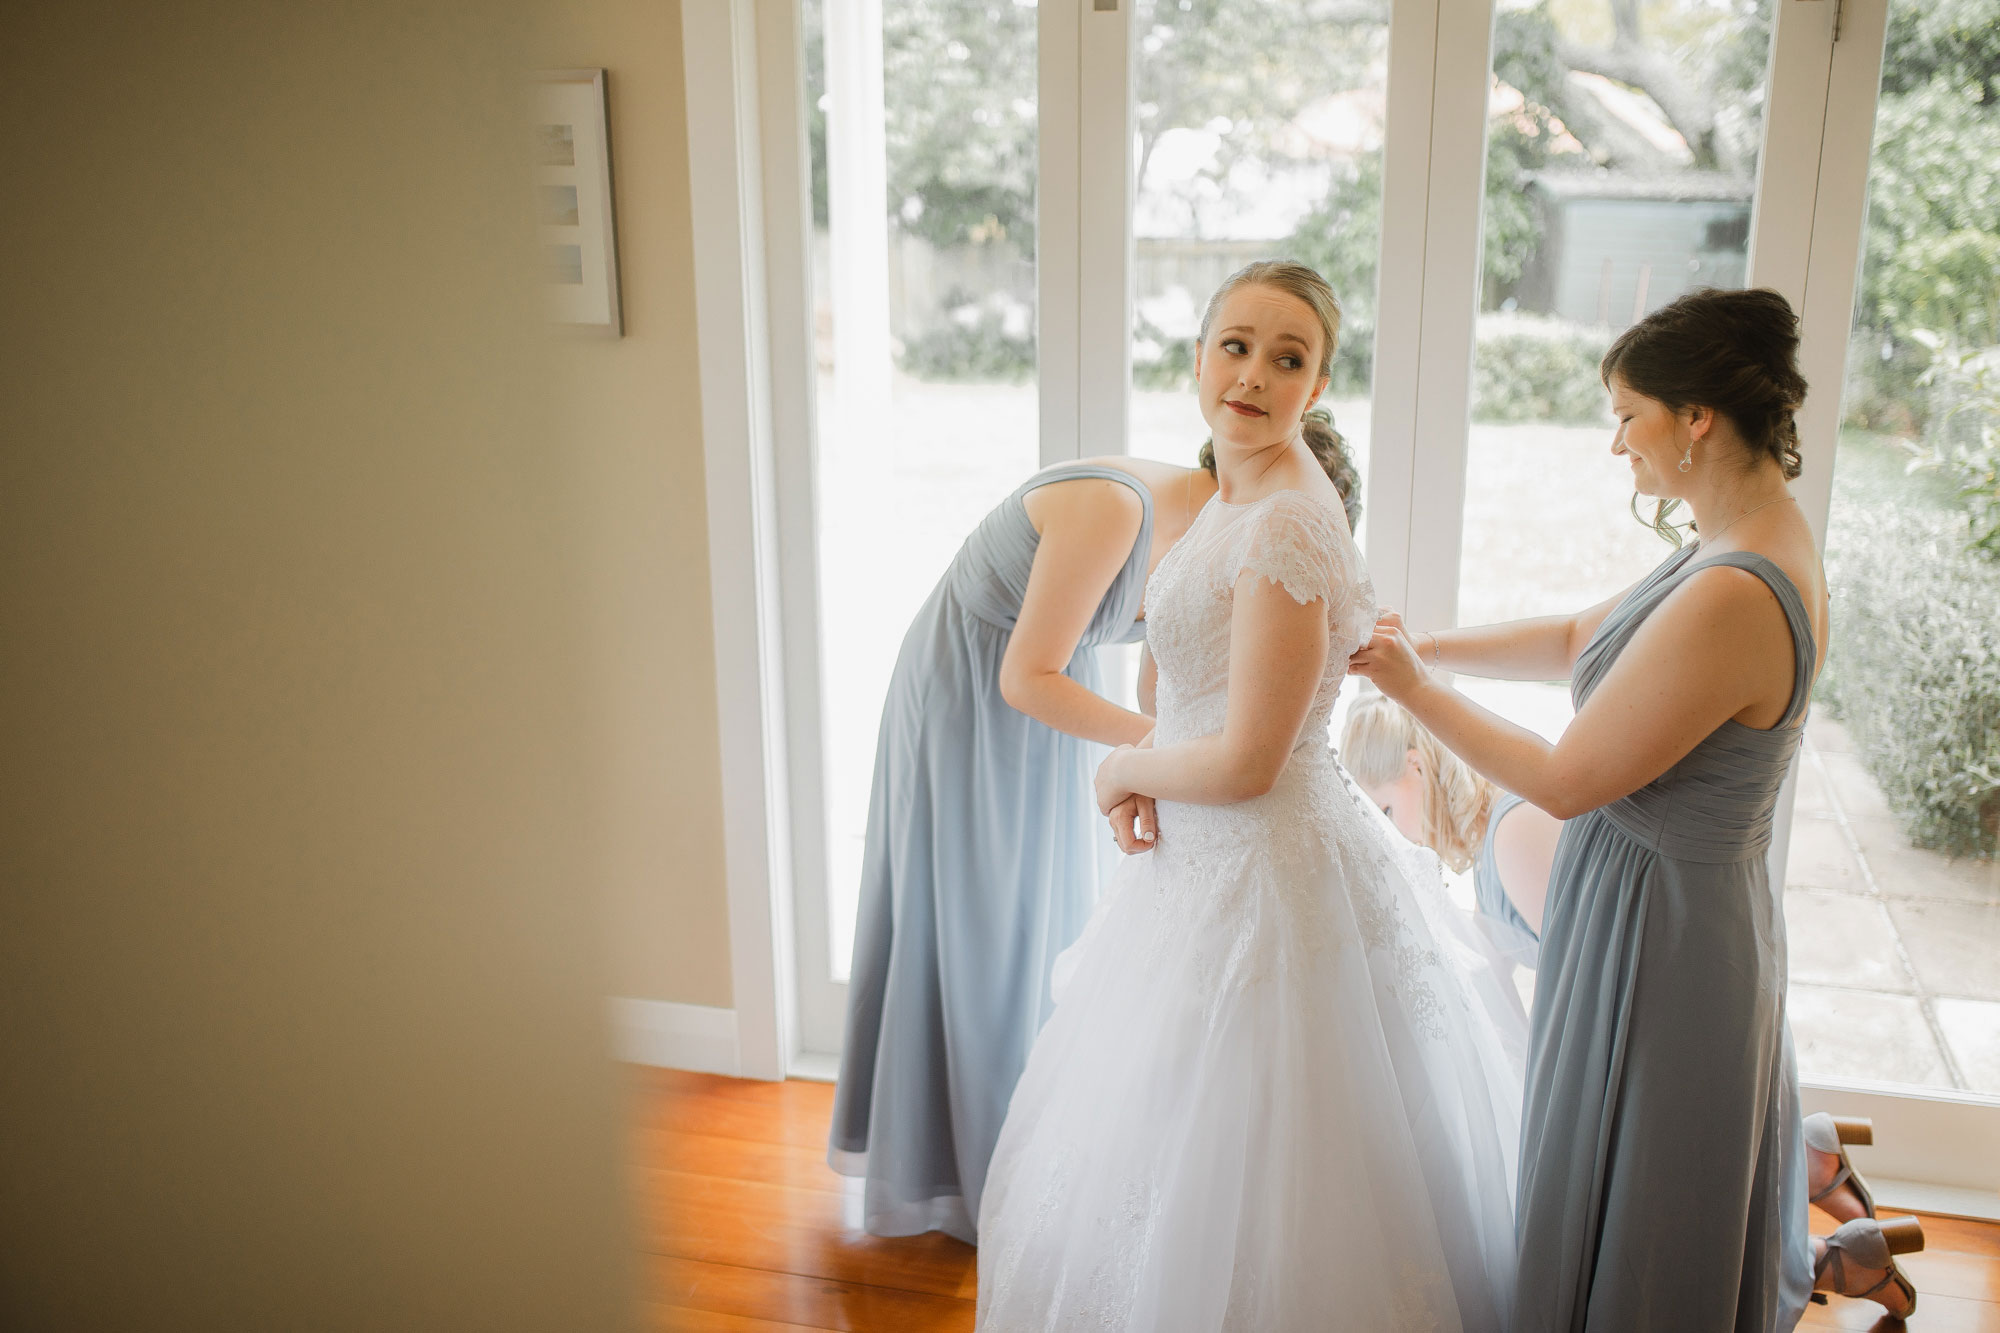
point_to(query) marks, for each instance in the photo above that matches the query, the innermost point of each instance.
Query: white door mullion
(1058, 227)
(1781, 218)
(1406, 145)
(728, 221)
(1452, 234)
(1104, 226)
(819, 1001)
(1817, 265)
(1815, 93)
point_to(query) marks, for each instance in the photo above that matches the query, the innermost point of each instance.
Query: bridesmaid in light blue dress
(983, 842)
(1663, 1172)
(1436, 801)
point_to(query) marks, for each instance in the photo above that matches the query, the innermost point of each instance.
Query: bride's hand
(1389, 658)
(1111, 788)
(1135, 824)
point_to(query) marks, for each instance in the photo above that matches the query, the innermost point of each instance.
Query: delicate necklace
(1187, 502)
(1740, 517)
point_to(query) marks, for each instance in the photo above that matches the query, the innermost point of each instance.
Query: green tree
(1245, 69)
(1929, 297)
(1342, 238)
(960, 80)
(1933, 242)
(960, 125)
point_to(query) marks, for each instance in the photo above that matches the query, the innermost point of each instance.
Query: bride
(1279, 1089)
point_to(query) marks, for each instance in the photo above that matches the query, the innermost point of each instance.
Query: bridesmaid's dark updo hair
(1736, 352)
(1329, 446)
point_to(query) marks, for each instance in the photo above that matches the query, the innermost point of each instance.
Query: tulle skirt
(1280, 1090)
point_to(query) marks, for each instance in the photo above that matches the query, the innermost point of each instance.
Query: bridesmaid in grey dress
(983, 842)
(1663, 1173)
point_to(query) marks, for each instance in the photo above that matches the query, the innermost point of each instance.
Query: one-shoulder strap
(1805, 650)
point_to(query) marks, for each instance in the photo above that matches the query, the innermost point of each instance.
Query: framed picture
(579, 248)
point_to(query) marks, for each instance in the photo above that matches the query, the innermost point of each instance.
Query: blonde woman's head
(1263, 354)
(1301, 283)
(1425, 789)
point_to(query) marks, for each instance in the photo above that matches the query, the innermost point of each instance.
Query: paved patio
(1895, 952)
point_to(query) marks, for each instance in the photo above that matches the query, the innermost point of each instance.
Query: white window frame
(1806, 242)
(739, 398)
(751, 223)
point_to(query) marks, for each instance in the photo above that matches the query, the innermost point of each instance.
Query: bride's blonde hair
(1375, 744)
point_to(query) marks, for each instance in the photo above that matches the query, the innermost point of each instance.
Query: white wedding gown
(1281, 1085)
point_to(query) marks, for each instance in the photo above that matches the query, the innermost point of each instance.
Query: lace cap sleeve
(1293, 542)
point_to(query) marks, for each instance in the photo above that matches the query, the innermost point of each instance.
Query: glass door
(1512, 205)
(1634, 152)
(1258, 127)
(1892, 893)
(1622, 148)
(922, 124)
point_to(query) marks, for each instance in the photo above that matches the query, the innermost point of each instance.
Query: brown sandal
(1830, 1134)
(1869, 1244)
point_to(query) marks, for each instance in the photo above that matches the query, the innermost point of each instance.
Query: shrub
(1914, 670)
(1962, 441)
(1171, 363)
(1529, 368)
(1883, 390)
(980, 350)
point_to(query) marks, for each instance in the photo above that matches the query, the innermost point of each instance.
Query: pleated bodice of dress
(989, 575)
(1716, 806)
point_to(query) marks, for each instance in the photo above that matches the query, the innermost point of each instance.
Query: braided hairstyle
(1736, 352)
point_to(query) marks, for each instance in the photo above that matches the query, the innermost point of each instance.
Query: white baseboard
(814, 1067)
(676, 1036)
(1914, 1196)
(1934, 1151)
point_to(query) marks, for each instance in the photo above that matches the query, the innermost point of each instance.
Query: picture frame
(577, 234)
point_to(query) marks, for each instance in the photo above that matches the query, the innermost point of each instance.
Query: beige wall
(637, 405)
(303, 682)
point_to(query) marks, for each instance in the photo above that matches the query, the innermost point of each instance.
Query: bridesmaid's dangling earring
(1687, 459)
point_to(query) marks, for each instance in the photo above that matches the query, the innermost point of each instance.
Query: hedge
(1914, 668)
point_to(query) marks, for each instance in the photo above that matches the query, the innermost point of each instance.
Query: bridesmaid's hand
(1135, 824)
(1111, 788)
(1389, 659)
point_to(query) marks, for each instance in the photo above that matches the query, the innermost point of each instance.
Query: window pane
(1621, 161)
(928, 408)
(1259, 136)
(1892, 892)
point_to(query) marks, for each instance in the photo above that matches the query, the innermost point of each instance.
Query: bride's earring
(1687, 459)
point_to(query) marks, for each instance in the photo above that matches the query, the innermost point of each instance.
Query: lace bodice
(1287, 537)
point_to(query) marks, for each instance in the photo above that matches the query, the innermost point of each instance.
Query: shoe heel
(1905, 1235)
(1854, 1129)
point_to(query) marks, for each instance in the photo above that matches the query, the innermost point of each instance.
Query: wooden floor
(746, 1229)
